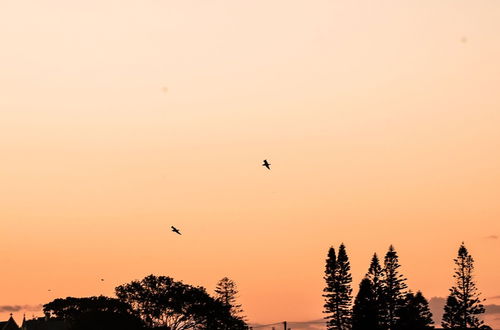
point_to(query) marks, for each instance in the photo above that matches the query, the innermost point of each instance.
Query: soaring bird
(175, 230)
(266, 164)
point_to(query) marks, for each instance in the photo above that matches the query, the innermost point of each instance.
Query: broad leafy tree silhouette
(161, 301)
(99, 313)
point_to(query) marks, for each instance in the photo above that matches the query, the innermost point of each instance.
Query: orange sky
(380, 119)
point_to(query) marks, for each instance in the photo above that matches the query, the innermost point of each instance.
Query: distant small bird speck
(175, 230)
(164, 90)
(266, 164)
(463, 40)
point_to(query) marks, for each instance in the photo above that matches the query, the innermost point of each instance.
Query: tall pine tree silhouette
(330, 294)
(463, 305)
(375, 275)
(364, 311)
(394, 287)
(226, 291)
(338, 291)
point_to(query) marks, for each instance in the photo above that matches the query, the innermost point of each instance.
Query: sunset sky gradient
(120, 118)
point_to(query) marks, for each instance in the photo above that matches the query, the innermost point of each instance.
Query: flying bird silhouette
(266, 164)
(175, 230)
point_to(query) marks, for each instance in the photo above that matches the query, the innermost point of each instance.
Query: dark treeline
(383, 301)
(155, 302)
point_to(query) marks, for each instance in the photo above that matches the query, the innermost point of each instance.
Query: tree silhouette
(364, 311)
(375, 275)
(463, 305)
(93, 313)
(163, 302)
(99, 320)
(330, 279)
(338, 292)
(451, 317)
(70, 307)
(415, 314)
(394, 287)
(226, 291)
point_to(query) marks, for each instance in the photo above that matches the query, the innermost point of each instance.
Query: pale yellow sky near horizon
(380, 119)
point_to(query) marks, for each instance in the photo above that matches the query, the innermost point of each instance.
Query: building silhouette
(10, 324)
(40, 323)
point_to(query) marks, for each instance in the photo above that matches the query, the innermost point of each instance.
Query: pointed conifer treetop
(344, 280)
(331, 266)
(394, 288)
(226, 291)
(375, 274)
(464, 304)
(394, 281)
(344, 267)
(330, 279)
(421, 305)
(338, 292)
